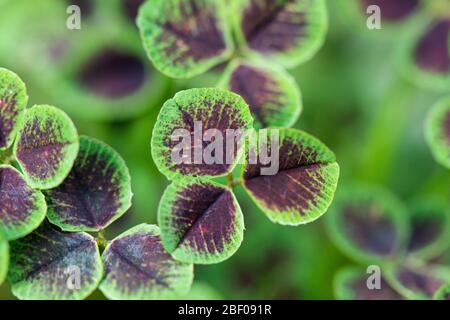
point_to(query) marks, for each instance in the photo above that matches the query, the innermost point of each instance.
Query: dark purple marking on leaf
(131, 8)
(446, 126)
(425, 229)
(16, 198)
(90, 195)
(372, 231)
(283, 191)
(34, 151)
(43, 257)
(270, 27)
(361, 292)
(138, 260)
(257, 89)
(8, 107)
(418, 282)
(392, 10)
(205, 217)
(113, 74)
(212, 116)
(432, 52)
(197, 32)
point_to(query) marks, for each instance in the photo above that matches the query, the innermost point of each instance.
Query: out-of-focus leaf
(438, 132)
(430, 228)
(352, 284)
(369, 224)
(288, 32)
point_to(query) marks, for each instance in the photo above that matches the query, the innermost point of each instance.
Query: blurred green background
(355, 100)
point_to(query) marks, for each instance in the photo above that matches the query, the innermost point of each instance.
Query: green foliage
(88, 187)
(201, 221)
(187, 38)
(97, 73)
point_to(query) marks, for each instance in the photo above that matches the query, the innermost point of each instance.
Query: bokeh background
(355, 100)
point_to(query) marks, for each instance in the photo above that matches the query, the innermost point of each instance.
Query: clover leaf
(49, 264)
(200, 221)
(369, 224)
(138, 267)
(271, 93)
(185, 38)
(288, 32)
(351, 284)
(96, 192)
(418, 282)
(13, 101)
(22, 209)
(46, 146)
(302, 188)
(372, 226)
(177, 143)
(430, 228)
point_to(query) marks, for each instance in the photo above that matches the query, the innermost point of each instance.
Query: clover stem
(101, 241)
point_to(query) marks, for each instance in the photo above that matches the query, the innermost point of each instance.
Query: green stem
(101, 241)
